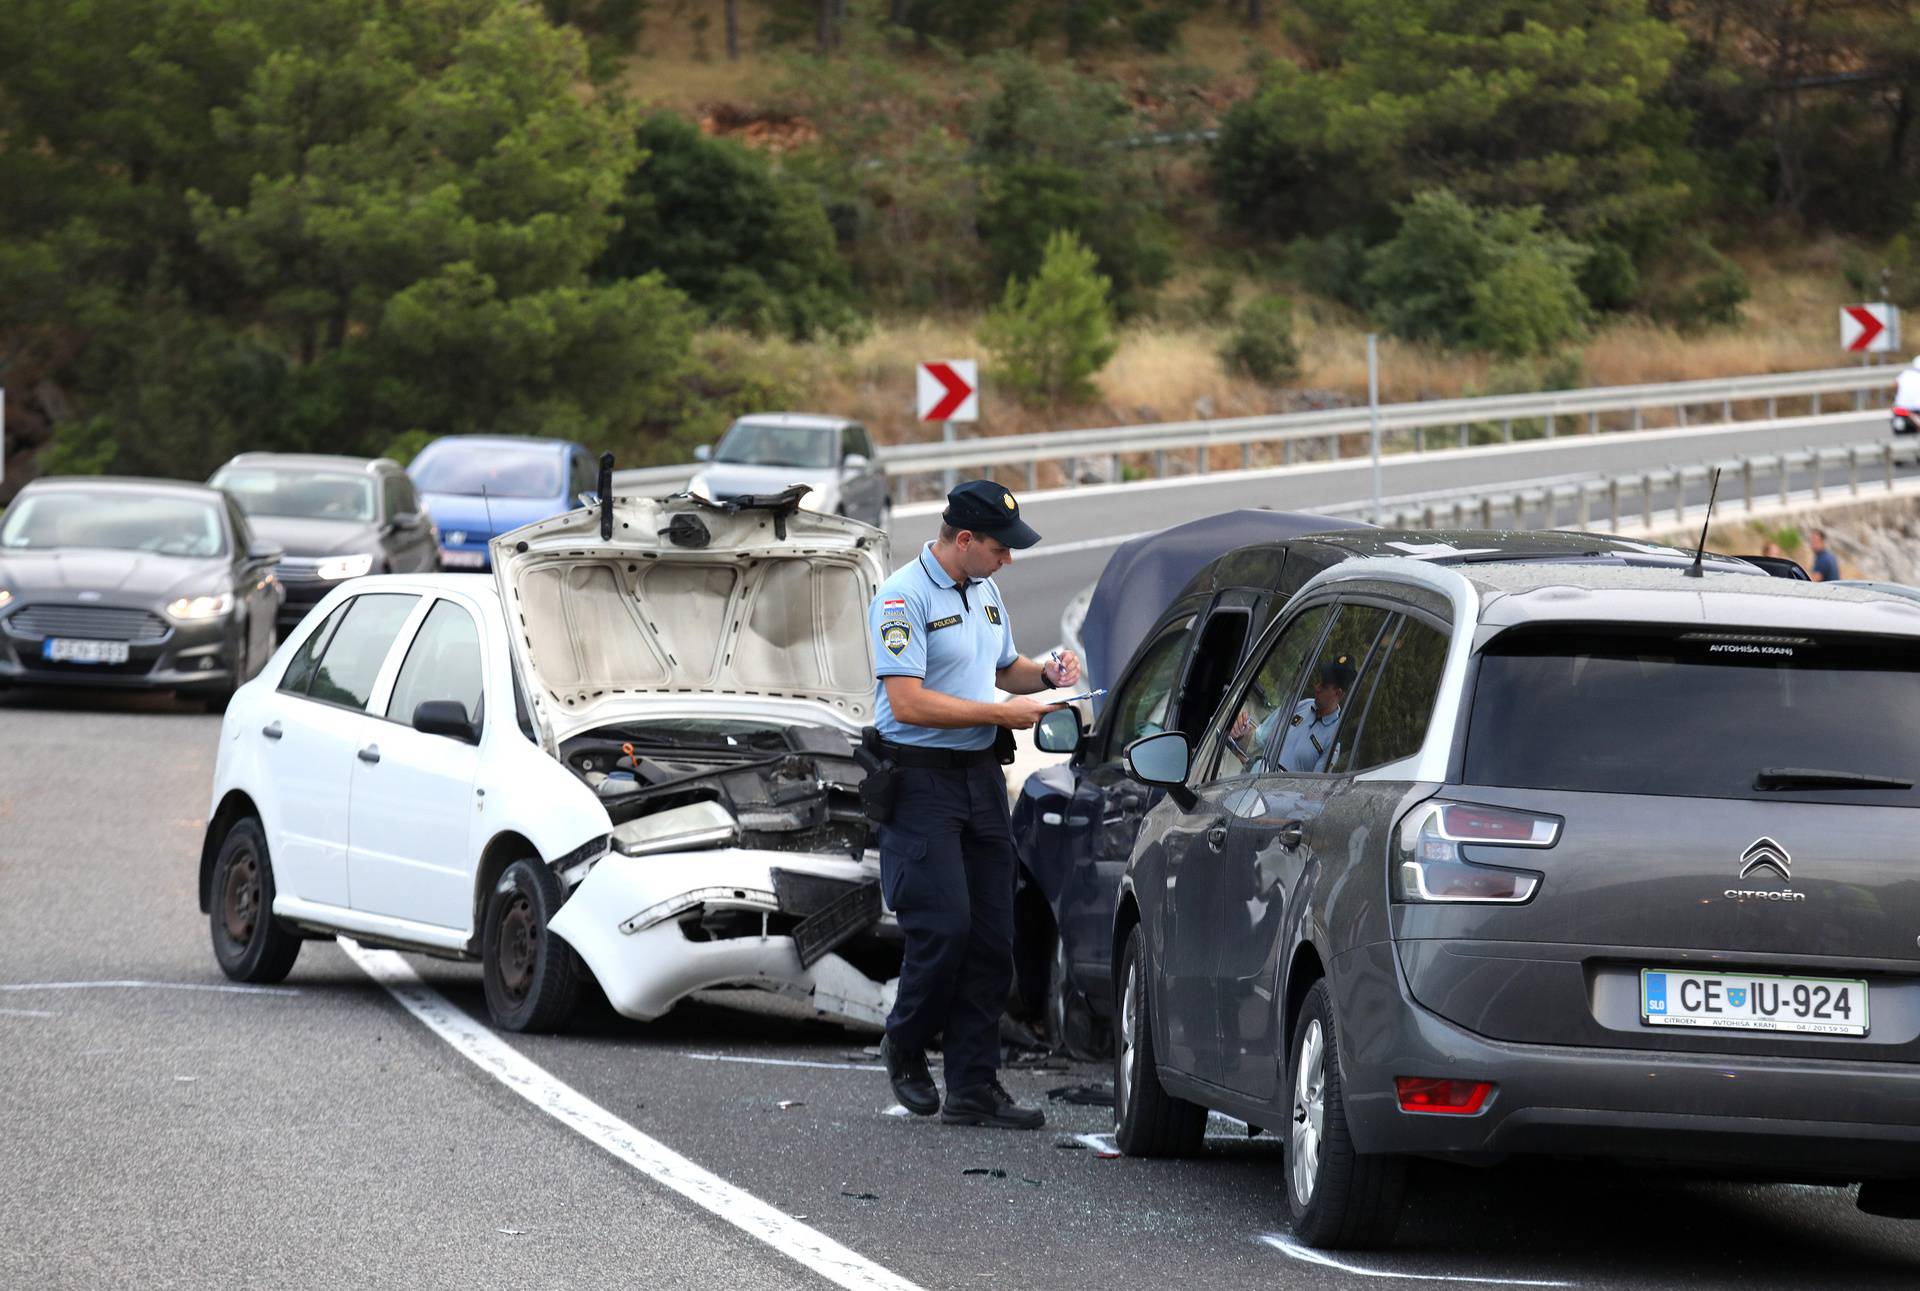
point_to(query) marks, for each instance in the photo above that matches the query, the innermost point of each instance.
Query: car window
(352, 659)
(1272, 687)
(1305, 739)
(443, 662)
(858, 442)
(1213, 663)
(1405, 682)
(1141, 708)
(300, 672)
(394, 492)
(583, 477)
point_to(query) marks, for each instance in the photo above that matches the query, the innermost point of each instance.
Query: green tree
(1261, 344)
(752, 247)
(317, 224)
(1053, 332)
(1553, 104)
(1478, 278)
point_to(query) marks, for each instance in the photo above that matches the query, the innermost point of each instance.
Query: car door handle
(1291, 834)
(370, 754)
(1216, 838)
(272, 730)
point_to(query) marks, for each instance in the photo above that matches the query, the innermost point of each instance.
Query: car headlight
(698, 487)
(189, 609)
(814, 499)
(345, 567)
(5, 596)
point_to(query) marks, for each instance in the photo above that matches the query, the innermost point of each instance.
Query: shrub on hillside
(1697, 287)
(1028, 202)
(1485, 278)
(1052, 332)
(1261, 344)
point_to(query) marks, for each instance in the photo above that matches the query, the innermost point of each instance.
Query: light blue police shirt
(925, 626)
(1307, 743)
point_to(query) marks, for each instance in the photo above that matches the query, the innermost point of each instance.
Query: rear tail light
(1442, 1097)
(1431, 868)
(1902, 412)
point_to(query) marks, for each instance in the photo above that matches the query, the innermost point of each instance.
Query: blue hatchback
(476, 486)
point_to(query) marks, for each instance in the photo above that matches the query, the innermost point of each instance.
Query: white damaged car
(629, 753)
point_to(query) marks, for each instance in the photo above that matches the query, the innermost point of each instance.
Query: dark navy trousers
(947, 871)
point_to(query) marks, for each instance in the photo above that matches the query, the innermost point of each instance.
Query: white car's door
(413, 798)
(310, 729)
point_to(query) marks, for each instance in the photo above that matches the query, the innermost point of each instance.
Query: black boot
(989, 1104)
(912, 1081)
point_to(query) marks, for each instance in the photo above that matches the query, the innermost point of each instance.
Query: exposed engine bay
(724, 782)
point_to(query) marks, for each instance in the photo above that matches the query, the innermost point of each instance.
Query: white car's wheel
(531, 977)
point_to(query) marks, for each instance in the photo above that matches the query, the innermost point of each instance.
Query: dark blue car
(476, 486)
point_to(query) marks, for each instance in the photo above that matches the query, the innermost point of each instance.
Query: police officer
(942, 645)
(1307, 744)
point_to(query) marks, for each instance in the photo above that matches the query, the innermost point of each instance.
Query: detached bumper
(655, 929)
(1802, 1119)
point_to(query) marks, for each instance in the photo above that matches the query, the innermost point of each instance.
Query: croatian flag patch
(893, 606)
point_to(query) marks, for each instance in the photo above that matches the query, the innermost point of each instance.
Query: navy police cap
(989, 509)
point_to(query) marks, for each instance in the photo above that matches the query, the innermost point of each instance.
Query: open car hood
(752, 599)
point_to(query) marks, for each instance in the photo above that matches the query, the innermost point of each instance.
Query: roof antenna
(487, 502)
(606, 497)
(1694, 570)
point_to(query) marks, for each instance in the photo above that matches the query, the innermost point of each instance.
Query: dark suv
(1601, 859)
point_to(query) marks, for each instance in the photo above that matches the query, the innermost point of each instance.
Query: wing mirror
(267, 552)
(704, 453)
(445, 717)
(403, 520)
(1163, 759)
(853, 463)
(1058, 732)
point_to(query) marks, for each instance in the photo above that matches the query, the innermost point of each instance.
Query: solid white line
(1307, 1256)
(150, 986)
(480, 1046)
(27, 1013)
(783, 1062)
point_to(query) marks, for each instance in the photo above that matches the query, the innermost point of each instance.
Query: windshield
(114, 520)
(1698, 713)
(752, 443)
(307, 495)
(499, 471)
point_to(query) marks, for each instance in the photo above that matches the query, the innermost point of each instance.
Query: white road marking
(784, 1062)
(147, 986)
(1287, 1246)
(1045, 548)
(487, 1051)
(27, 1013)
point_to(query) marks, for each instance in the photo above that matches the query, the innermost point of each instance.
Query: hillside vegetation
(352, 225)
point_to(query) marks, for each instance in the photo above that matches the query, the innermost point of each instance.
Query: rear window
(1697, 713)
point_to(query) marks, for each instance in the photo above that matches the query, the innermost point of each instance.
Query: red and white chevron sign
(948, 391)
(1869, 329)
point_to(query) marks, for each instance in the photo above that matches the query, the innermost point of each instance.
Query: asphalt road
(174, 1133)
(1080, 527)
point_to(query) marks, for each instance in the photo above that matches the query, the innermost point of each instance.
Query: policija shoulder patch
(894, 635)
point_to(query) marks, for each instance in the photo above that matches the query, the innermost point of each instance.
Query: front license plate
(68, 650)
(461, 559)
(1753, 1002)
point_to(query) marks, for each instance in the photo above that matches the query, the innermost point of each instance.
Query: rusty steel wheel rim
(240, 901)
(519, 947)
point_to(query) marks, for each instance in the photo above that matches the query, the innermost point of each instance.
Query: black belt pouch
(1003, 746)
(881, 783)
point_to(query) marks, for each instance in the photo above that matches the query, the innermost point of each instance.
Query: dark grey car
(1603, 860)
(336, 518)
(133, 584)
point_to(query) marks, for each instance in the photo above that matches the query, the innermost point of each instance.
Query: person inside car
(1308, 742)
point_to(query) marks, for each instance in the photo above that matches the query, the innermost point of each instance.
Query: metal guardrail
(1611, 498)
(1403, 426)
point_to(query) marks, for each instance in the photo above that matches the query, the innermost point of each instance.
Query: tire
(531, 977)
(1148, 1121)
(1339, 1199)
(1071, 1024)
(249, 944)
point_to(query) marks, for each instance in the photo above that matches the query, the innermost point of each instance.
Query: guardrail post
(1746, 477)
(1813, 460)
(1420, 441)
(1465, 434)
(1200, 460)
(1519, 510)
(1859, 400)
(1726, 409)
(1460, 513)
(1853, 471)
(1815, 404)
(1159, 463)
(1583, 515)
(1333, 448)
(1887, 457)
(1426, 517)
(1073, 470)
(1679, 414)
(1486, 513)
(1117, 476)
(1786, 477)
(1680, 494)
(1246, 454)
(1646, 501)
(1033, 469)
(1771, 405)
(1613, 504)
(1637, 423)
(1549, 425)
(1287, 446)
(1593, 423)
(1506, 430)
